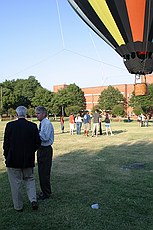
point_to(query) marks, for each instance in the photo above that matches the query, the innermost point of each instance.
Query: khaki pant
(95, 129)
(16, 176)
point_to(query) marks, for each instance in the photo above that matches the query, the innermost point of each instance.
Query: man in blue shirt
(86, 120)
(45, 152)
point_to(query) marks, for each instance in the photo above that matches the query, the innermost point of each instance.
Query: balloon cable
(94, 46)
(81, 55)
(101, 65)
(60, 24)
(36, 64)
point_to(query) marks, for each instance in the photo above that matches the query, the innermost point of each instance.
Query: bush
(31, 112)
(118, 110)
(138, 110)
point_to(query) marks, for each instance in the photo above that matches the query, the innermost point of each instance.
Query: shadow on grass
(119, 131)
(57, 133)
(81, 178)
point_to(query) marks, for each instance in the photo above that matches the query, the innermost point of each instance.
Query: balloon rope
(95, 46)
(93, 59)
(101, 64)
(60, 24)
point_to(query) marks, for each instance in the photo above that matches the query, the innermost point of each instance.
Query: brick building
(92, 93)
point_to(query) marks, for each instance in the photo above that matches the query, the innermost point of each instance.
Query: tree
(43, 97)
(75, 96)
(72, 109)
(118, 110)
(138, 110)
(8, 99)
(19, 92)
(96, 107)
(1, 113)
(31, 112)
(31, 86)
(144, 103)
(67, 97)
(11, 113)
(59, 101)
(109, 98)
(24, 90)
(56, 109)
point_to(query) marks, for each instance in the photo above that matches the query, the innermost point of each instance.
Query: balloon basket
(140, 89)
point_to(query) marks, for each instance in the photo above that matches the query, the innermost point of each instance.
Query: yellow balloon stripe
(101, 9)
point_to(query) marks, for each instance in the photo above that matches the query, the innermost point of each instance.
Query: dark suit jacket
(21, 140)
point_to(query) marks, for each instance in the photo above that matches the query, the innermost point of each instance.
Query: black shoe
(19, 210)
(34, 205)
(42, 196)
(51, 195)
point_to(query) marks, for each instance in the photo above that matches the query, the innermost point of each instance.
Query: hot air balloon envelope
(126, 25)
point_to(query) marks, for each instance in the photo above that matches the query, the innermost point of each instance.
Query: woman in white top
(78, 122)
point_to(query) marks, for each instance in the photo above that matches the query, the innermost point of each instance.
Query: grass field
(115, 171)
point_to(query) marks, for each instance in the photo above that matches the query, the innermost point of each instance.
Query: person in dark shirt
(62, 123)
(86, 121)
(107, 125)
(96, 119)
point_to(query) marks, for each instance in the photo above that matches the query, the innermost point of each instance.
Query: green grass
(90, 170)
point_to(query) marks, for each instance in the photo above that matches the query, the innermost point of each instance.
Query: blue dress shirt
(46, 133)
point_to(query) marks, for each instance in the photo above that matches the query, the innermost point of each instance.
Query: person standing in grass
(86, 121)
(21, 140)
(71, 121)
(107, 125)
(139, 119)
(78, 122)
(45, 152)
(96, 120)
(62, 123)
(147, 120)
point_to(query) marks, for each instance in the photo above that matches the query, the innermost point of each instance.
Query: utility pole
(1, 108)
(1, 97)
(62, 110)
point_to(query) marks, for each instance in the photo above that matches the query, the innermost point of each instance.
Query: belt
(43, 147)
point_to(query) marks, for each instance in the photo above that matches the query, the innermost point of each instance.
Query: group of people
(143, 120)
(22, 139)
(86, 120)
(97, 124)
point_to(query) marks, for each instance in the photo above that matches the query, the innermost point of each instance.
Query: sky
(48, 40)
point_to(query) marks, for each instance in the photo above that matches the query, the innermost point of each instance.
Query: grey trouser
(16, 176)
(95, 128)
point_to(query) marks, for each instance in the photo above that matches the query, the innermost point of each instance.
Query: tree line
(30, 93)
